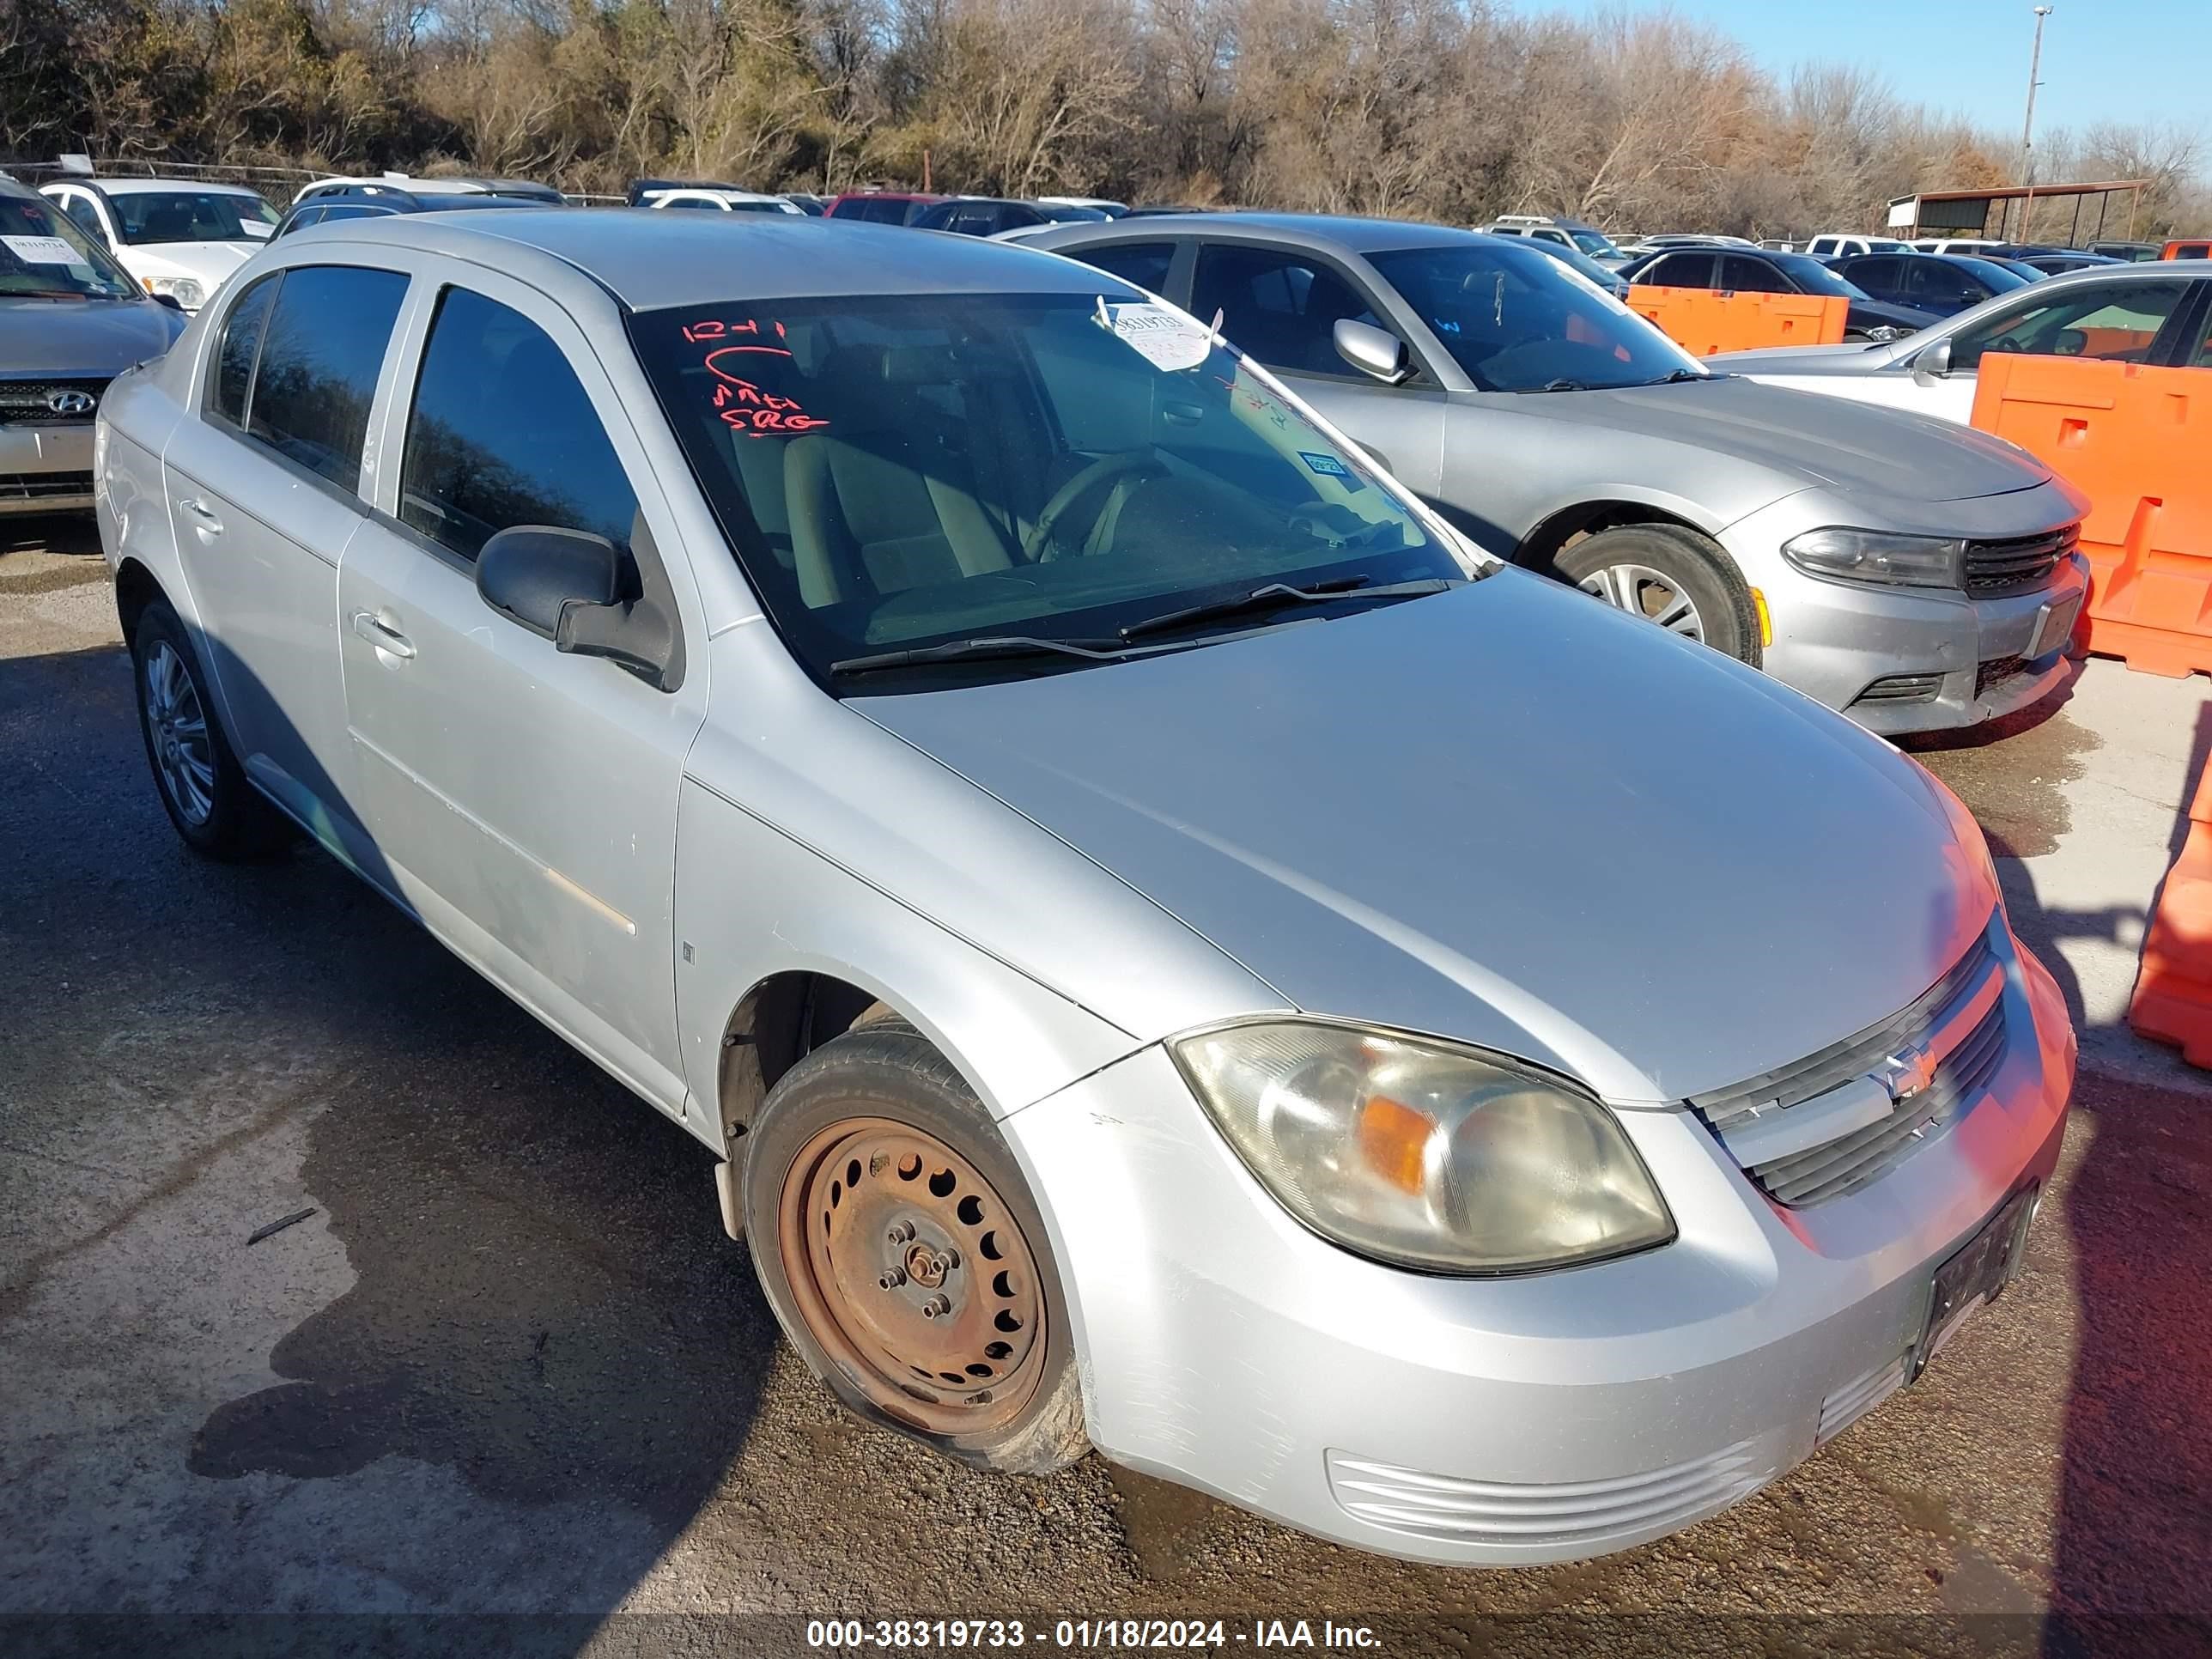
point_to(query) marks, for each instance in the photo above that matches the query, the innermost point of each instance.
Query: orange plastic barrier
(2137, 440)
(1704, 321)
(2173, 988)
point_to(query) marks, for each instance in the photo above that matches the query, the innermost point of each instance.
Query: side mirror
(1372, 350)
(1933, 363)
(567, 586)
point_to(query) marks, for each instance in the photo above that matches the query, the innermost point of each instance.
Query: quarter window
(502, 434)
(241, 342)
(1280, 307)
(320, 355)
(2116, 321)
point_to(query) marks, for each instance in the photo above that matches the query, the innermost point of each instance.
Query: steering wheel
(1106, 466)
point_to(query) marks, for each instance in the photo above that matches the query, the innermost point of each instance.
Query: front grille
(1863, 1155)
(16, 487)
(2015, 566)
(24, 402)
(1586, 1515)
(1902, 687)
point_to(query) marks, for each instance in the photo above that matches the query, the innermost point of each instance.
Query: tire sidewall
(892, 1072)
(1699, 566)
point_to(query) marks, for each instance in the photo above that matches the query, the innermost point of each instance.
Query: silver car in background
(1173, 950)
(71, 319)
(1913, 575)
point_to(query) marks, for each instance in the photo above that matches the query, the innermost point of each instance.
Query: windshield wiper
(1275, 594)
(1681, 374)
(1563, 385)
(995, 645)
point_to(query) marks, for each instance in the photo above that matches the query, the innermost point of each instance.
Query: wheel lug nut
(901, 1233)
(936, 1308)
(892, 1278)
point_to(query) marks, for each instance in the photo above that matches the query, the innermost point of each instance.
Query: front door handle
(390, 640)
(203, 516)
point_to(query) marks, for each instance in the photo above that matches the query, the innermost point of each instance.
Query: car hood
(88, 339)
(1805, 439)
(1851, 359)
(1506, 814)
(1871, 313)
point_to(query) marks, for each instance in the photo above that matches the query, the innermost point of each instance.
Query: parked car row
(1171, 929)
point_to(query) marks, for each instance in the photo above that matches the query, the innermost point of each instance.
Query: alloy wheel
(184, 757)
(1643, 592)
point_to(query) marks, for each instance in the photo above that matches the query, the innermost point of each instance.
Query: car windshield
(1070, 212)
(2002, 278)
(146, 216)
(1591, 243)
(900, 472)
(1576, 261)
(44, 255)
(1813, 277)
(1517, 322)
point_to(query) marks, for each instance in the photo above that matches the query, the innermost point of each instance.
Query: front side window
(503, 432)
(895, 473)
(321, 351)
(1144, 263)
(1748, 276)
(1517, 321)
(1808, 275)
(241, 346)
(145, 216)
(1937, 284)
(1280, 307)
(2116, 321)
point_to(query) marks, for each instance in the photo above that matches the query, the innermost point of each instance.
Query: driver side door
(1280, 307)
(2123, 322)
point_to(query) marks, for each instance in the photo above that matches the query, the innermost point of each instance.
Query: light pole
(2027, 130)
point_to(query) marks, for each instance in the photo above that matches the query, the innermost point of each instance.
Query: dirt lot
(510, 1366)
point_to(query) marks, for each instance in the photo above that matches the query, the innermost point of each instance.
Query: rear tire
(1669, 575)
(202, 788)
(903, 1254)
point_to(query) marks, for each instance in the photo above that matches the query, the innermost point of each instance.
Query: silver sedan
(1911, 574)
(1171, 948)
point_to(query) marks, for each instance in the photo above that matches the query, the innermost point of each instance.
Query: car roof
(1343, 235)
(139, 186)
(650, 261)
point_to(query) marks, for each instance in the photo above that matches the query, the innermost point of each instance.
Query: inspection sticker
(42, 250)
(1328, 465)
(1164, 339)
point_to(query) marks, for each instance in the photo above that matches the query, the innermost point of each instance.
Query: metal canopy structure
(1968, 210)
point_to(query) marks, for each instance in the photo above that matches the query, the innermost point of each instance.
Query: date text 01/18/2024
(1087, 1635)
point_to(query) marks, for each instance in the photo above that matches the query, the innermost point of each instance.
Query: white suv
(1829, 245)
(177, 237)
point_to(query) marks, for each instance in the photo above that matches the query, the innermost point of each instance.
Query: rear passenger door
(525, 798)
(1281, 306)
(262, 493)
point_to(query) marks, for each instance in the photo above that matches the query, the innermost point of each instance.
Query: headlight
(1423, 1155)
(1875, 555)
(185, 290)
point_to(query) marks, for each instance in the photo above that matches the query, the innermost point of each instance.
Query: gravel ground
(510, 1366)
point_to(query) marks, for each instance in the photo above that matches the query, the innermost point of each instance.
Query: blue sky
(2126, 60)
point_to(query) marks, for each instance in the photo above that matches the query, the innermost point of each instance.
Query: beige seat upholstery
(876, 511)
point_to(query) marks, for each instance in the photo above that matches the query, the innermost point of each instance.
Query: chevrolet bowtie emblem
(1907, 1073)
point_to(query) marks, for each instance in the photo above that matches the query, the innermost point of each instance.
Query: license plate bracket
(1974, 1274)
(2053, 624)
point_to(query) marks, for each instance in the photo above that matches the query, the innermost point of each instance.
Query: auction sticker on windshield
(1164, 339)
(42, 250)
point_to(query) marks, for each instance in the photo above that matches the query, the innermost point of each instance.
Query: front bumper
(1511, 1421)
(45, 466)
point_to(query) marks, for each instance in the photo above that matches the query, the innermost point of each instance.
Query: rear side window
(1680, 270)
(503, 434)
(1144, 263)
(241, 342)
(320, 353)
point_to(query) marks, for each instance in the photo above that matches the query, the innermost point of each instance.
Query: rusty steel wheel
(912, 1273)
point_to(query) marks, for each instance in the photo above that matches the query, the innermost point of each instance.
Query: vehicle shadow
(544, 1354)
(2132, 1556)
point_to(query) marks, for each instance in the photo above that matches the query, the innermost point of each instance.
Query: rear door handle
(208, 524)
(388, 639)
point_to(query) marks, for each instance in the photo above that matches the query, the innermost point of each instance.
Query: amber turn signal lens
(1393, 1139)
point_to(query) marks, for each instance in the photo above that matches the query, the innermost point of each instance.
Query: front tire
(202, 785)
(1671, 575)
(902, 1252)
